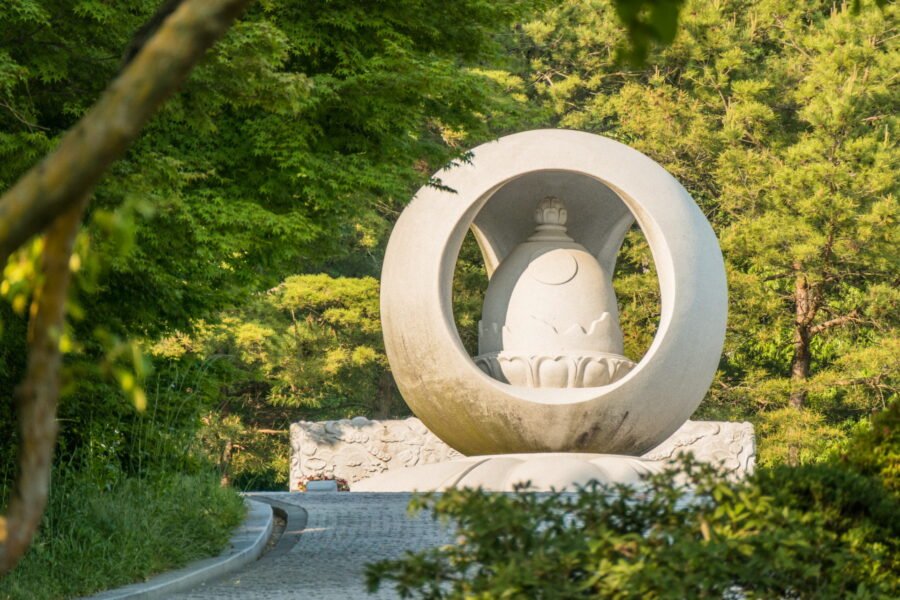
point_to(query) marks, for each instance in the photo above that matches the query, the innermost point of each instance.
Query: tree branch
(836, 322)
(55, 194)
(21, 119)
(105, 132)
(36, 397)
(784, 275)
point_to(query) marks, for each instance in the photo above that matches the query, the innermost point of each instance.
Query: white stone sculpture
(550, 398)
(550, 315)
(358, 449)
(547, 406)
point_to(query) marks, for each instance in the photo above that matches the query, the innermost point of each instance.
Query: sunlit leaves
(780, 119)
(803, 533)
(312, 341)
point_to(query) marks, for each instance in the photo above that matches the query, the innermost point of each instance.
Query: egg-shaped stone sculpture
(550, 317)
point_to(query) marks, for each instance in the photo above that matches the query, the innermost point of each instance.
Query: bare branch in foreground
(55, 194)
(36, 397)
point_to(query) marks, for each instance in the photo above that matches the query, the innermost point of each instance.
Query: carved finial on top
(550, 211)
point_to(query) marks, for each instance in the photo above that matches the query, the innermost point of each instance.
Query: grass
(96, 537)
(131, 495)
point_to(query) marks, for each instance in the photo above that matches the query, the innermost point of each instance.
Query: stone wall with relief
(357, 448)
(354, 449)
(730, 444)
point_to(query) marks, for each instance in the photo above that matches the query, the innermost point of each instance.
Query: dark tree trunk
(805, 308)
(385, 403)
(800, 366)
(804, 313)
(225, 479)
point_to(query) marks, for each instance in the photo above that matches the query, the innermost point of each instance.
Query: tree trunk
(36, 397)
(805, 309)
(804, 312)
(385, 402)
(225, 479)
(800, 366)
(53, 196)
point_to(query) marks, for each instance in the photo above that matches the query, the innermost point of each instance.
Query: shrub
(309, 348)
(875, 451)
(312, 341)
(829, 530)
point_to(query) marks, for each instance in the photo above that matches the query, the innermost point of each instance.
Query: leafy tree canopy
(781, 120)
(298, 124)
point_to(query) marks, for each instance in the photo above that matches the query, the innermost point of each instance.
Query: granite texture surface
(355, 449)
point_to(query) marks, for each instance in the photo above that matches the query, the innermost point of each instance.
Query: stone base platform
(542, 472)
(359, 449)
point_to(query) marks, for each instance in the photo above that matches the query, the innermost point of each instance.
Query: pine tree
(781, 119)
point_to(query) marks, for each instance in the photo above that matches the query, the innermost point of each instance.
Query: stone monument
(550, 397)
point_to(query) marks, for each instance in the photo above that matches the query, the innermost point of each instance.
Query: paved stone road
(344, 531)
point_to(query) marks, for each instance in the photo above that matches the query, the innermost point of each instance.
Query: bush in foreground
(822, 531)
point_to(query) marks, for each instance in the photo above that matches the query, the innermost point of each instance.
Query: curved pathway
(344, 531)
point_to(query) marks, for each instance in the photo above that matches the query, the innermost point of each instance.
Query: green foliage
(780, 119)
(302, 123)
(788, 430)
(875, 450)
(100, 537)
(309, 347)
(102, 436)
(131, 495)
(100, 426)
(248, 454)
(300, 126)
(637, 289)
(817, 531)
(313, 340)
(469, 285)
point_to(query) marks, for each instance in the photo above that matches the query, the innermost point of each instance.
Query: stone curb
(245, 546)
(295, 518)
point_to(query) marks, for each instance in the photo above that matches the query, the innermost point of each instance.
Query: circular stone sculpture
(606, 186)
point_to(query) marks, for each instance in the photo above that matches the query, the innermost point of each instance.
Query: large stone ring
(607, 186)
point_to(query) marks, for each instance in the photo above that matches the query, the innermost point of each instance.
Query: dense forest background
(227, 278)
